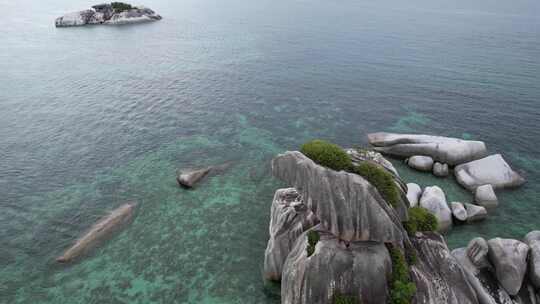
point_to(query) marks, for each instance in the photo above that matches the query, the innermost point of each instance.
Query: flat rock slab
(491, 170)
(188, 178)
(452, 151)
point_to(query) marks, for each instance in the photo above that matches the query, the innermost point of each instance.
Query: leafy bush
(339, 298)
(313, 238)
(402, 289)
(381, 179)
(420, 220)
(120, 6)
(327, 154)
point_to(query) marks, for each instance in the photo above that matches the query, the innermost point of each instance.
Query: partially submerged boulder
(452, 151)
(440, 170)
(347, 205)
(420, 162)
(475, 213)
(509, 257)
(359, 269)
(434, 200)
(413, 194)
(458, 210)
(290, 217)
(485, 196)
(188, 178)
(489, 170)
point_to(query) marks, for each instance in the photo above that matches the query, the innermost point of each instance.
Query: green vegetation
(120, 6)
(327, 154)
(402, 290)
(339, 298)
(313, 238)
(420, 220)
(381, 179)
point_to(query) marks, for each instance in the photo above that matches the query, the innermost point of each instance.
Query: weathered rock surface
(105, 14)
(489, 170)
(475, 213)
(452, 151)
(361, 269)
(189, 178)
(440, 170)
(509, 257)
(290, 217)
(438, 276)
(99, 232)
(485, 196)
(347, 205)
(477, 252)
(358, 156)
(532, 239)
(421, 163)
(434, 200)
(458, 210)
(413, 194)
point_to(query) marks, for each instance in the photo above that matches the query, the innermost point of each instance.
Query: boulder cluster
(108, 13)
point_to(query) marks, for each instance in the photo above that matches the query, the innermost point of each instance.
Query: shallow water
(93, 117)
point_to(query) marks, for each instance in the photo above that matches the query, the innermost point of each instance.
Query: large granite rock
(452, 151)
(475, 213)
(458, 210)
(434, 200)
(360, 269)
(489, 170)
(420, 162)
(509, 257)
(290, 217)
(105, 14)
(413, 194)
(346, 204)
(440, 170)
(532, 239)
(485, 196)
(477, 252)
(438, 276)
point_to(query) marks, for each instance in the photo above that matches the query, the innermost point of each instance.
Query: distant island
(108, 13)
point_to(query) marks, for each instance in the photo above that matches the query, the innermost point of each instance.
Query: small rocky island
(108, 13)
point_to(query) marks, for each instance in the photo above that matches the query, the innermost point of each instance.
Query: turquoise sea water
(93, 117)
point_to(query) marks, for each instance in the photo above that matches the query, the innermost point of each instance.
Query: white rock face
(452, 151)
(533, 240)
(434, 200)
(74, 19)
(440, 170)
(458, 210)
(510, 260)
(106, 15)
(413, 194)
(489, 170)
(421, 163)
(485, 197)
(475, 213)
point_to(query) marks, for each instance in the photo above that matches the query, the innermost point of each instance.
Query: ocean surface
(93, 117)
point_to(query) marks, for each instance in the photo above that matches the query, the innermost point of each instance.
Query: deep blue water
(92, 117)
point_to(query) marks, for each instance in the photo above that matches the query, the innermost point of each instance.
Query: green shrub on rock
(381, 179)
(402, 290)
(420, 219)
(120, 6)
(327, 154)
(339, 298)
(313, 238)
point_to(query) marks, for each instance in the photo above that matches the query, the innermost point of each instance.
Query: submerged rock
(489, 170)
(532, 239)
(347, 205)
(106, 14)
(360, 269)
(290, 217)
(434, 200)
(189, 178)
(440, 170)
(438, 276)
(509, 257)
(421, 163)
(458, 210)
(99, 232)
(475, 213)
(413, 194)
(452, 151)
(485, 197)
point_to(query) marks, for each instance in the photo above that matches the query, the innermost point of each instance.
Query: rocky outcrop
(360, 269)
(347, 205)
(106, 14)
(434, 200)
(532, 239)
(413, 194)
(475, 213)
(459, 212)
(440, 170)
(438, 276)
(188, 178)
(421, 163)
(447, 150)
(290, 217)
(509, 257)
(99, 232)
(489, 170)
(485, 197)
(358, 156)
